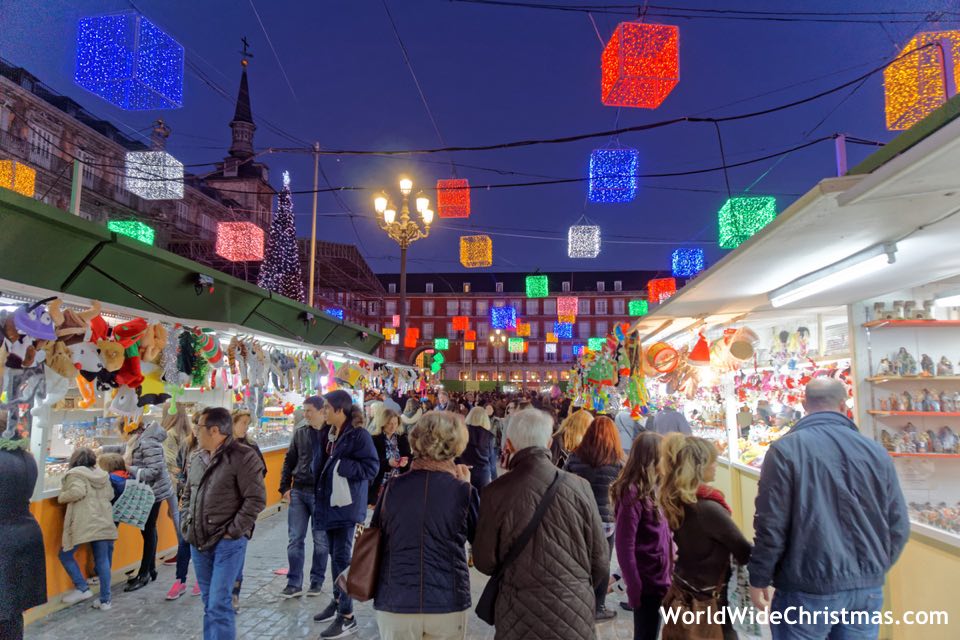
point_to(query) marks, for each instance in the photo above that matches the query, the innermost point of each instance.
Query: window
(390, 353)
(549, 307)
(533, 307)
(600, 286)
(533, 353)
(499, 287)
(428, 331)
(183, 213)
(392, 287)
(481, 353)
(466, 307)
(565, 286)
(516, 357)
(584, 306)
(88, 161)
(550, 356)
(534, 329)
(517, 304)
(429, 287)
(567, 352)
(602, 328)
(466, 287)
(450, 332)
(41, 146)
(428, 307)
(601, 307)
(583, 329)
(374, 308)
(618, 285)
(482, 330)
(482, 307)
(391, 307)
(452, 306)
(618, 307)
(407, 307)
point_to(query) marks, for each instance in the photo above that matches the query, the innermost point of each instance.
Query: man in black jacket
(298, 483)
(830, 521)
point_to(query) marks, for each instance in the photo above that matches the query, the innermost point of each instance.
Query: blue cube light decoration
(336, 312)
(503, 318)
(578, 349)
(688, 262)
(613, 175)
(128, 61)
(563, 329)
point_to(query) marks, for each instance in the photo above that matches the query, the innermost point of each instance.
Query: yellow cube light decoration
(18, 177)
(154, 175)
(914, 85)
(476, 251)
(389, 332)
(551, 337)
(566, 319)
(469, 346)
(523, 329)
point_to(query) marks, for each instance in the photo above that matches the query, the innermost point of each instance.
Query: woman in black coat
(393, 449)
(23, 574)
(480, 453)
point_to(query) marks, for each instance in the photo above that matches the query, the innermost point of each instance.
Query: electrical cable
(276, 56)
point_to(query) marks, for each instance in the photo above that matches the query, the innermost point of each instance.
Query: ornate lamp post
(498, 340)
(404, 231)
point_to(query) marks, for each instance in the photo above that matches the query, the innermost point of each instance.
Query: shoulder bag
(486, 606)
(134, 504)
(360, 578)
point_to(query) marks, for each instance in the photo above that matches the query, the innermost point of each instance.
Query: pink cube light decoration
(567, 306)
(640, 65)
(453, 198)
(395, 320)
(661, 289)
(239, 241)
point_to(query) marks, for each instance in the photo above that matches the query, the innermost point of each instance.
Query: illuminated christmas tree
(280, 271)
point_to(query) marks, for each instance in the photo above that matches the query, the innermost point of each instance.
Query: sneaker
(235, 601)
(103, 606)
(290, 591)
(340, 628)
(196, 589)
(177, 590)
(604, 615)
(76, 596)
(328, 614)
(314, 590)
(171, 560)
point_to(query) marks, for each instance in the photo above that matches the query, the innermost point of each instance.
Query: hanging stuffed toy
(152, 390)
(125, 402)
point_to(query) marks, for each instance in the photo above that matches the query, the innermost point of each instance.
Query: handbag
(683, 597)
(134, 504)
(360, 581)
(486, 605)
(738, 597)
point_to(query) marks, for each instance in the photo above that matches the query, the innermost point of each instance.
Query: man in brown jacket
(549, 591)
(222, 498)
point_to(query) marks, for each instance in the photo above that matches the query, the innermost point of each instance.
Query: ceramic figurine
(894, 402)
(923, 443)
(935, 445)
(930, 402)
(884, 404)
(944, 367)
(906, 363)
(947, 405)
(906, 401)
(897, 310)
(885, 439)
(908, 309)
(885, 368)
(927, 310)
(949, 443)
(926, 365)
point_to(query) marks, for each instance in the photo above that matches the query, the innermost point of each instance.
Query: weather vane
(246, 51)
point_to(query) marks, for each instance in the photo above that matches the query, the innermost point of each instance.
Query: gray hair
(824, 394)
(529, 428)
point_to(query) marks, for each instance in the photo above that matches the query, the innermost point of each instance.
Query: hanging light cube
(128, 61)
(395, 321)
(550, 347)
(578, 349)
(660, 289)
(538, 286)
(637, 308)
(395, 339)
(469, 346)
(441, 344)
(741, 218)
(461, 323)
(154, 175)
(563, 330)
(388, 332)
(567, 319)
(453, 198)
(503, 318)
(551, 337)
(18, 177)
(523, 329)
(476, 251)
(914, 85)
(640, 65)
(470, 336)
(567, 306)
(410, 337)
(687, 263)
(583, 241)
(436, 367)
(133, 229)
(239, 241)
(335, 312)
(595, 344)
(515, 345)
(613, 175)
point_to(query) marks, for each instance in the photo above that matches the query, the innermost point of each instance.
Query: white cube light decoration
(154, 175)
(550, 347)
(583, 241)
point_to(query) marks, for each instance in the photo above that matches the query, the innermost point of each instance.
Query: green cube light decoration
(436, 367)
(441, 344)
(515, 345)
(637, 308)
(438, 358)
(741, 218)
(595, 344)
(132, 229)
(538, 286)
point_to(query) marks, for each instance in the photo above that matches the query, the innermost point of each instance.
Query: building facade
(433, 300)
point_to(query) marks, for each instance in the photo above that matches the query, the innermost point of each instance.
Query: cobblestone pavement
(145, 615)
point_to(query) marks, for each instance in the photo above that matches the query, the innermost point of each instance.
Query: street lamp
(404, 231)
(498, 340)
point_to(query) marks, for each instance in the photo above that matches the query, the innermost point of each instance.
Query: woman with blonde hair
(704, 533)
(412, 412)
(568, 437)
(393, 449)
(480, 455)
(426, 518)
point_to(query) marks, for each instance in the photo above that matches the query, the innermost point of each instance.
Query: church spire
(242, 124)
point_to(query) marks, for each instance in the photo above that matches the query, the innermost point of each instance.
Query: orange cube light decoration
(18, 177)
(523, 329)
(239, 241)
(469, 346)
(640, 65)
(476, 251)
(470, 335)
(914, 85)
(453, 198)
(461, 323)
(659, 289)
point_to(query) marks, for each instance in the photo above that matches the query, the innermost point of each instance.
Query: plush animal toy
(152, 342)
(75, 325)
(59, 359)
(88, 394)
(152, 389)
(55, 385)
(111, 354)
(125, 402)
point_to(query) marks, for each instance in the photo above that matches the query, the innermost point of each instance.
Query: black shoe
(604, 615)
(625, 606)
(136, 583)
(291, 592)
(314, 590)
(328, 614)
(340, 628)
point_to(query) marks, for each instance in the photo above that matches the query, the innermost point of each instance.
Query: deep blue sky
(498, 74)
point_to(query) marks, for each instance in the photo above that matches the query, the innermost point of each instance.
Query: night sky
(495, 74)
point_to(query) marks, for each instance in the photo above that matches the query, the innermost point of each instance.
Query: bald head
(825, 394)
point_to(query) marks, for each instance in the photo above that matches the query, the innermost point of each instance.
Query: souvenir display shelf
(911, 401)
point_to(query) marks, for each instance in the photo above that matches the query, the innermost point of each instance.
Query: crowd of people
(531, 491)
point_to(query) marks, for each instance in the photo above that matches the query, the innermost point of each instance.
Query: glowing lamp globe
(567, 306)
(476, 251)
(640, 65)
(741, 218)
(538, 286)
(154, 175)
(515, 345)
(914, 85)
(239, 241)
(18, 177)
(461, 323)
(133, 229)
(659, 289)
(503, 318)
(563, 330)
(637, 308)
(687, 263)
(453, 198)
(583, 241)
(441, 344)
(613, 175)
(335, 312)
(128, 61)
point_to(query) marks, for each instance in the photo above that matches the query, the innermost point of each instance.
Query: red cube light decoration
(239, 241)
(640, 65)
(660, 289)
(470, 336)
(453, 198)
(411, 337)
(914, 85)
(461, 323)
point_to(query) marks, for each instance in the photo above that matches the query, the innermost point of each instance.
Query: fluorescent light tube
(947, 299)
(847, 270)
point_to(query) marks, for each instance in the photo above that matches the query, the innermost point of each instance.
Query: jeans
(299, 519)
(341, 549)
(148, 565)
(102, 561)
(173, 508)
(12, 628)
(238, 583)
(183, 559)
(868, 601)
(602, 588)
(216, 571)
(646, 618)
